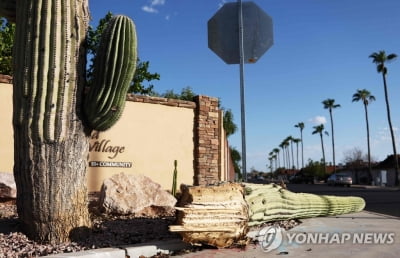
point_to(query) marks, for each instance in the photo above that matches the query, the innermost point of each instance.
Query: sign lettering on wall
(105, 146)
(115, 164)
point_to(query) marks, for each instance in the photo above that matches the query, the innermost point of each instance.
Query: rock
(8, 189)
(135, 194)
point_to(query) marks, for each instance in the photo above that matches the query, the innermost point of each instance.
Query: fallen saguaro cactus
(219, 215)
(272, 203)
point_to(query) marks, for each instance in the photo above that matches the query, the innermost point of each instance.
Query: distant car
(340, 179)
(301, 178)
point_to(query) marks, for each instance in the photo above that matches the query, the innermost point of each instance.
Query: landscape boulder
(135, 194)
(8, 189)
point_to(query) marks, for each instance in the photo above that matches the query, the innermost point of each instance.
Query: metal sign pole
(242, 98)
(255, 36)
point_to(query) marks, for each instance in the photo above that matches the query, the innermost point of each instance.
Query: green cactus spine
(271, 203)
(114, 68)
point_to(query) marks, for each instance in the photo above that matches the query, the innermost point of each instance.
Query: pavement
(364, 234)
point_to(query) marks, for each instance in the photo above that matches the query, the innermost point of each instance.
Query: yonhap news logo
(272, 237)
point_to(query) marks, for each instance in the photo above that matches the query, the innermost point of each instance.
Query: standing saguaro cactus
(50, 138)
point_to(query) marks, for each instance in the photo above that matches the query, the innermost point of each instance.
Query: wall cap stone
(161, 101)
(6, 79)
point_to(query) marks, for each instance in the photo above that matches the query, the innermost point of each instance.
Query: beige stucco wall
(147, 136)
(6, 131)
(153, 136)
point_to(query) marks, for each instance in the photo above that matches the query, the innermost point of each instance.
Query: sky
(320, 51)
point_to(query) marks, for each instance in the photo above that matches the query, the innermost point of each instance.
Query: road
(380, 200)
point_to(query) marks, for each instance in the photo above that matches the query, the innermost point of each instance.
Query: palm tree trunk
(297, 154)
(368, 143)
(333, 142)
(291, 147)
(270, 164)
(396, 165)
(323, 152)
(283, 157)
(302, 149)
(279, 159)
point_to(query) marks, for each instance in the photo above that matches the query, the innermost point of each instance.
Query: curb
(132, 251)
(389, 188)
(382, 215)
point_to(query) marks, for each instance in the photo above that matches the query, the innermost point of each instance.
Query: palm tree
(286, 144)
(366, 97)
(228, 124)
(380, 58)
(297, 140)
(276, 151)
(290, 139)
(330, 105)
(272, 157)
(282, 145)
(270, 163)
(301, 126)
(319, 129)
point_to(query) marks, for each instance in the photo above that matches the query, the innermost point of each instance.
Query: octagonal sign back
(223, 33)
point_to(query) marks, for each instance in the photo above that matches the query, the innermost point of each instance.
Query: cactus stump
(213, 215)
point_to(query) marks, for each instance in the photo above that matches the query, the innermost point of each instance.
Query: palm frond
(391, 57)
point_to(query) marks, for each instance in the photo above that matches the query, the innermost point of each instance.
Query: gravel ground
(108, 231)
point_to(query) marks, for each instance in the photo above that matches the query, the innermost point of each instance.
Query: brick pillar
(207, 145)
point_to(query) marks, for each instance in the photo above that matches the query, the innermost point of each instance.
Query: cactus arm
(114, 68)
(271, 202)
